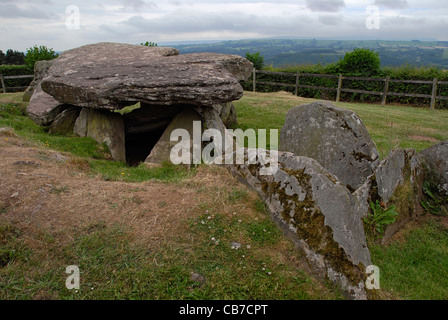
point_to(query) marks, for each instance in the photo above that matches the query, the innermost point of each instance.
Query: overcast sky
(24, 23)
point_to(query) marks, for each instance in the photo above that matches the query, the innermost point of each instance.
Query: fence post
(434, 94)
(3, 83)
(254, 72)
(386, 88)
(338, 94)
(296, 89)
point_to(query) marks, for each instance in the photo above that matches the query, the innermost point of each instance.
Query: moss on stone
(309, 221)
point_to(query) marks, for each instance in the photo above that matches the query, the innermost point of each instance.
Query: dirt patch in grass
(424, 138)
(44, 189)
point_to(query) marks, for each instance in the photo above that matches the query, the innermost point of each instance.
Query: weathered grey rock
(43, 108)
(436, 159)
(184, 120)
(80, 125)
(113, 75)
(397, 181)
(40, 70)
(318, 213)
(335, 137)
(227, 113)
(104, 127)
(65, 121)
(212, 120)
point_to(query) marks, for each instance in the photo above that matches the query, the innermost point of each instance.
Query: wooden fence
(384, 94)
(3, 78)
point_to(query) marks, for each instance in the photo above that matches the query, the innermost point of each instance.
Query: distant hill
(280, 52)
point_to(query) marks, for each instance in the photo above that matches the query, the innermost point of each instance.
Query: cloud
(138, 5)
(28, 22)
(330, 20)
(325, 5)
(9, 10)
(392, 4)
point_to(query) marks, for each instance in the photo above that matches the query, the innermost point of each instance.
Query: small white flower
(248, 246)
(213, 239)
(203, 222)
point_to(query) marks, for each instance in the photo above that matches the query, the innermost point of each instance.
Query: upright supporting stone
(162, 149)
(104, 127)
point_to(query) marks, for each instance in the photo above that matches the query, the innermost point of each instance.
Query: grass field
(133, 239)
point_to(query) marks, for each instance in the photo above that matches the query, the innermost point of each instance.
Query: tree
(360, 62)
(36, 53)
(2, 58)
(256, 58)
(14, 57)
(149, 44)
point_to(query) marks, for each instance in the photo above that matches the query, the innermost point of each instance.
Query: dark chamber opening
(143, 129)
(139, 146)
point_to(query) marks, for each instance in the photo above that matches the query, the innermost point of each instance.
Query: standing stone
(335, 137)
(40, 70)
(436, 159)
(104, 127)
(319, 214)
(397, 181)
(43, 108)
(184, 120)
(80, 126)
(65, 121)
(227, 113)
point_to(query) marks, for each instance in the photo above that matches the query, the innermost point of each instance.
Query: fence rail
(3, 78)
(384, 94)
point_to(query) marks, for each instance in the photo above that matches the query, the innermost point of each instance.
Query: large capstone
(112, 75)
(335, 137)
